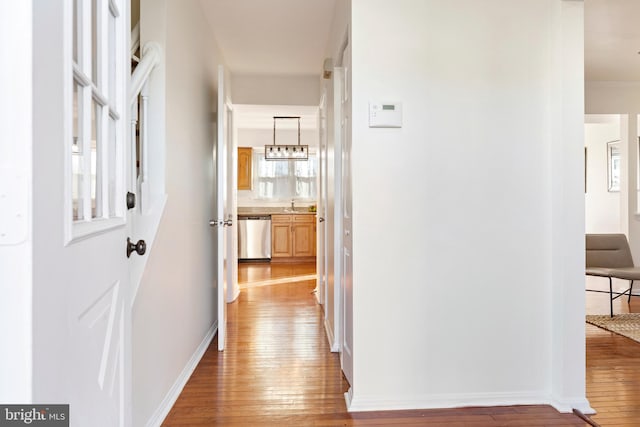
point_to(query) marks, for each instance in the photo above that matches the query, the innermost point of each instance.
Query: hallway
(277, 370)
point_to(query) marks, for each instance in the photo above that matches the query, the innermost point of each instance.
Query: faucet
(293, 206)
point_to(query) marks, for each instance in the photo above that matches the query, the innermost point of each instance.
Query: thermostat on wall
(385, 115)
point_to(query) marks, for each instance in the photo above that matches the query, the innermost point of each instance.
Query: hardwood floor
(613, 363)
(277, 370)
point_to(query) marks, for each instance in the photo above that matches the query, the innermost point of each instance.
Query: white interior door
(231, 212)
(221, 223)
(346, 356)
(321, 259)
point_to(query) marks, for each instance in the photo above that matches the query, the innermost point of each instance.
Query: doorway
(282, 193)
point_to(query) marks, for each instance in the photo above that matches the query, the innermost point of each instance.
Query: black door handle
(131, 200)
(140, 248)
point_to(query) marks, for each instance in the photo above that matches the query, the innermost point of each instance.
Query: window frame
(258, 156)
(109, 100)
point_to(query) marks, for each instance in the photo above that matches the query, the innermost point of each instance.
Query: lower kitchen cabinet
(303, 235)
(281, 242)
(292, 236)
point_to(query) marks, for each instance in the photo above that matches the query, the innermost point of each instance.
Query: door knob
(321, 219)
(140, 248)
(131, 200)
(228, 222)
(213, 223)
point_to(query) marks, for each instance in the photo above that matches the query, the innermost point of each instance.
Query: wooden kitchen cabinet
(281, 242)
(292, 236)
(244, 168)
(303, 235)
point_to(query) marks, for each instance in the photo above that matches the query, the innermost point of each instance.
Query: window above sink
(281, 181)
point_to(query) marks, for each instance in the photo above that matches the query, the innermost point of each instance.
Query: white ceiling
(289, 37)
(612, 40)
(275, 37)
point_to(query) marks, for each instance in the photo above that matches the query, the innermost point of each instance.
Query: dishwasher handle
(253, 218)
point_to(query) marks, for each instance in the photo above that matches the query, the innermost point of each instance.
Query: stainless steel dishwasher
(254, 237)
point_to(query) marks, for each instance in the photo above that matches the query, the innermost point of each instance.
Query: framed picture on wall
(613, 166)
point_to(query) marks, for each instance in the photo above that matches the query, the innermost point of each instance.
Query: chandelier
(286, 151)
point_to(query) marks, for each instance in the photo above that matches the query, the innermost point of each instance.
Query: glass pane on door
(112, 167)
(96, 160)
(76, 158)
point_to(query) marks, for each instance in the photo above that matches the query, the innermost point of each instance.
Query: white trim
(348, 397)
(441, 401)
(16, 207)
(83, 229)
(172, 395)
(580, 404)
(94, 94)
(135, 39)
(335, 345)
(150, 57)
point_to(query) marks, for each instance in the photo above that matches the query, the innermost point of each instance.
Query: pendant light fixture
(286, 151)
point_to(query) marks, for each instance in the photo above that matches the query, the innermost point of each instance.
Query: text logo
(34, 415)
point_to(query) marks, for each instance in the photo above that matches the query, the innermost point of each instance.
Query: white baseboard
(174, 392)
(348, 398)
(568, 405)
(335, 347)
(357, 404)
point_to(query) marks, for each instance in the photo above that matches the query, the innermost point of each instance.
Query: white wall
(16, 239)
(602, 207)
(473, 300)
(258, 138)
(276, 90)
(176, 305)
(622, 98)
(611, 97)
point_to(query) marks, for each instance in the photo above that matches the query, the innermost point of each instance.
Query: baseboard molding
(358, 404)
(335, 347)
(174, 392)
(348, 398)
(568, 405)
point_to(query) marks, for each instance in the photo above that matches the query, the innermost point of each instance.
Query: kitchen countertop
(273, 211)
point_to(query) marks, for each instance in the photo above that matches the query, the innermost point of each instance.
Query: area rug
(627, 324)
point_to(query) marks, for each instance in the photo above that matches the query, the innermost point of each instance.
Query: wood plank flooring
(613, 363)
(277, 371)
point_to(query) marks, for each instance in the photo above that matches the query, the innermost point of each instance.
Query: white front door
(81, 286)
(99, 297)
(346, 356)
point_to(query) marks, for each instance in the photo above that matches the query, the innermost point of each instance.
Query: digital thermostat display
(385, 114)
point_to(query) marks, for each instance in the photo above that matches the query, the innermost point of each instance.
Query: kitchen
(277, 164)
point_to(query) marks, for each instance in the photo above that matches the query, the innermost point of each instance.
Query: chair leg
(630, 291)
(611, 296)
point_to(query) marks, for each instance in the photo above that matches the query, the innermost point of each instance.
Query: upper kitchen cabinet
(244, 168)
